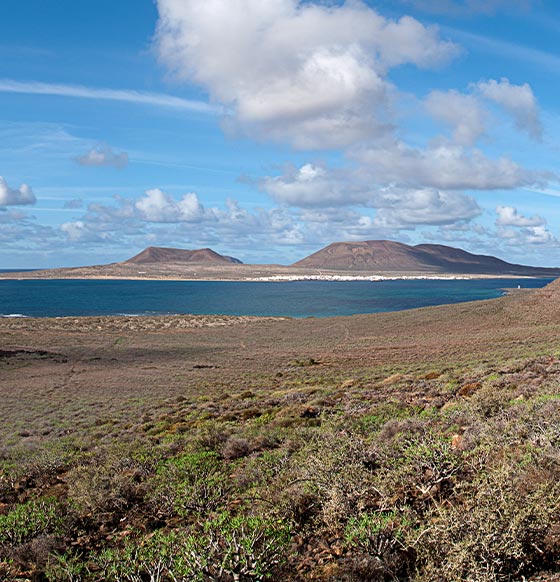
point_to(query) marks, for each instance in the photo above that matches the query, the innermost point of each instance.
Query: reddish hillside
(163, 255)
(377, 255)
(369, 255)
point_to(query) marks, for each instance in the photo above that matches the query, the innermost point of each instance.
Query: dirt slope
(393, 256)
(163, 255)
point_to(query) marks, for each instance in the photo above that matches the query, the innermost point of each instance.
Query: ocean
(59, 298)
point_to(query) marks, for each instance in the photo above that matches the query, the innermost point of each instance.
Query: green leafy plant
(29, 520)
(240, 547)
(190, 483)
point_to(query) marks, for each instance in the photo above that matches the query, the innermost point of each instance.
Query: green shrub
(362, 530)
(240, 547)
(377, 547)
(227, 548)
(163, 556)
(65, 568)
(29, 520)
(331, 473)
(190, 483)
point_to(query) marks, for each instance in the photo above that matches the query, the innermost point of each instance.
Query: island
(343, 261)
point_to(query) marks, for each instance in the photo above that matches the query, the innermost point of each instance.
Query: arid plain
(420, 445)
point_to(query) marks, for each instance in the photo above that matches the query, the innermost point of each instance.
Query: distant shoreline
(269, 277)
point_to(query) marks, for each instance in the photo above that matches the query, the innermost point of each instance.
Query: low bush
(30, 520)
(228, 548)
(191, 483)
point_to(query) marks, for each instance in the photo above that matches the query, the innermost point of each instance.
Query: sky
(267, 129)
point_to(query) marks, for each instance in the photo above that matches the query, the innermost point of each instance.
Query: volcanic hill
(382, 255)
(163, 255)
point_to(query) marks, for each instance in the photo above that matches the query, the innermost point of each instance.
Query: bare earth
(113, 362)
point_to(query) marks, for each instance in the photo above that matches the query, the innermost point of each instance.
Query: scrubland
(420, 446)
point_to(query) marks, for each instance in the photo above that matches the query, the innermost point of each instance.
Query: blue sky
(267, 129)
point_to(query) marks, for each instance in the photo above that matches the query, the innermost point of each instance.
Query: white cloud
(15, 196)
(125, 95)
(538, 235)
(313, 185)
(406, 209)
(444, 166)
(103, 157)
(464, 113)
(531, 235)
(79, 231)
(509, 216)
(308, 73)
(157, 206)
(518, 100)
(324, 192)
(519, 230)
(157, 216)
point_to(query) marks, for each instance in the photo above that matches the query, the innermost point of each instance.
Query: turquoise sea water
(57, 298)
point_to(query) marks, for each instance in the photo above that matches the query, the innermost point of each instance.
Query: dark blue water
(55, 298)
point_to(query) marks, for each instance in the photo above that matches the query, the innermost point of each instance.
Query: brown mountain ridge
(383, 255)
(162, 255)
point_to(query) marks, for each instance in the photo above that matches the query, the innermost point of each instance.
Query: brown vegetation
(421, 446)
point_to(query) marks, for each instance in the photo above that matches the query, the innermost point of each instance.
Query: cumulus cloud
(538, 235)
(160, 216)
(80, 231)
(315, 74)
(308, 73)
(322, 192)
(314, 186)
(467, 115)
(518, 100)
(157, 206)
(531, 235)
(509, 216)
(103, 157)
(15, 196)
(252, 232)
(519, 230)
(405, 209)
(444, 166)
(463, 113)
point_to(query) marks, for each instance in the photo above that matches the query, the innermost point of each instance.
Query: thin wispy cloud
(172, 164)
(510, 50)
(124, 95)
(545, 191)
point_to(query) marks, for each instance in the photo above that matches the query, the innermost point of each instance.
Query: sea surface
(58, 298)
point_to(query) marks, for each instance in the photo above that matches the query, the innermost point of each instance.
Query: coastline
(265, 278)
